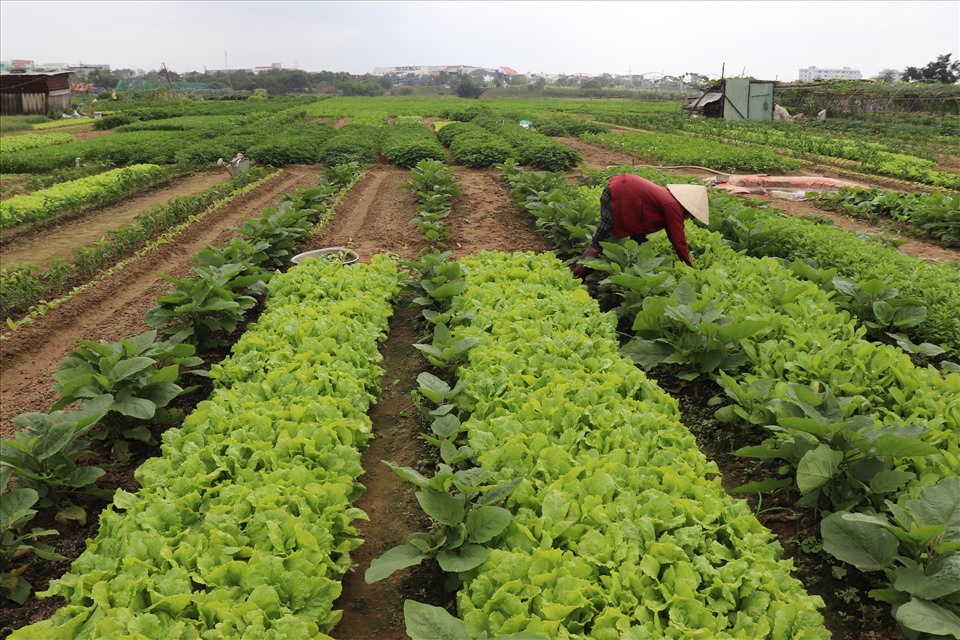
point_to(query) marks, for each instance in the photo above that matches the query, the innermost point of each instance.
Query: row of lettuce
(612, 524)
(864, 435)
(102, 188)
(121, 394)
(244, 527)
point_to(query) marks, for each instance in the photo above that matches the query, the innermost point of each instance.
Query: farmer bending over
(632, 206)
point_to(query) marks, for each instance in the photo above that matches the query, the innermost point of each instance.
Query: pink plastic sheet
(787, 187)
(807, 183)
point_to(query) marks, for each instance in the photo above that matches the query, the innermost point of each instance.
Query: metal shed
(736, 99)
(34, 93)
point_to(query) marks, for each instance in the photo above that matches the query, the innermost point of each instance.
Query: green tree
(941, 70)
(357, 88)
(887, 75)
(468, 87)
(103, 78)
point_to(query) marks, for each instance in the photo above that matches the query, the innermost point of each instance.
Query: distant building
(417, 70)
(275, 66)
(34, 93)
(84, 70)
(452, 69)
(22, 66)
(15, 65)
(816, 73)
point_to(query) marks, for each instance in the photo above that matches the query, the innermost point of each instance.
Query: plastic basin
(348, 256)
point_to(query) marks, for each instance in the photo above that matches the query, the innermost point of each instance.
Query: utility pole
(166, 74)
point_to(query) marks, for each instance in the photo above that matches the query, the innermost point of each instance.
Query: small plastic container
(348, 256)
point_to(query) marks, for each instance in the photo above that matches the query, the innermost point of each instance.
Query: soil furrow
(114, 309)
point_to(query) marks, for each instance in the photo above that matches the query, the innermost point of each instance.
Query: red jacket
(641, 207)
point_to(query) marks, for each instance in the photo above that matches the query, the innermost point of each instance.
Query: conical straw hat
(693, 197)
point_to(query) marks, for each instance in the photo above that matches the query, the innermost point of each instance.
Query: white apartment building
(816, 73)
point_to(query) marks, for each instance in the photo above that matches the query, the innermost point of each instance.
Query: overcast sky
(769, 40)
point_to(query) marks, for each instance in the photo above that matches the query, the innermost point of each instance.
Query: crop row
(920, 135)
(761, 231)
(243, 527)
(435, 187)
(483, 143)
(23, 287)
(860, 428)
(619, 527)
(279, 138)
(14, 144)
(409, 141)
(678, 149)
(75, 195)
(533, 149)
(148, 109)
(934, 215)
(871, 157)
(863, 434)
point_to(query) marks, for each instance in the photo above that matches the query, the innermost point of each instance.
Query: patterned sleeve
(605, 226)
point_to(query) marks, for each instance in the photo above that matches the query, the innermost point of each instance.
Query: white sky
(769, 40)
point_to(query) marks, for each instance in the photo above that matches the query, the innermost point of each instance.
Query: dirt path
(375, 218)
(63, 239)
(114, 309)
(374, 611)
(485, 217)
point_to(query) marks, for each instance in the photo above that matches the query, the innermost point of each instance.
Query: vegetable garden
(454, 438)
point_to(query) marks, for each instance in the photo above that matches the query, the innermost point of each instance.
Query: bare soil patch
(374, 218)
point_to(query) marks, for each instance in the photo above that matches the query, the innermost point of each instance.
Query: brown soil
(374, 218)
(114, 309)
(87, 131)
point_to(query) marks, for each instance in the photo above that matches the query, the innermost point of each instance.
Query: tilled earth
(375, 217)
